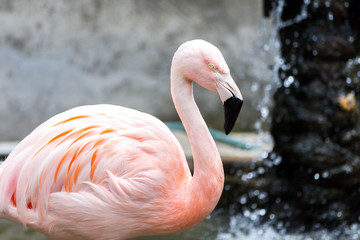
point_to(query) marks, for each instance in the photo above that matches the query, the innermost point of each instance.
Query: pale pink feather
(115, 155)
(109, 172)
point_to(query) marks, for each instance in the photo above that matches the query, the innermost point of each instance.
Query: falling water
(249, 224)
(273, 44)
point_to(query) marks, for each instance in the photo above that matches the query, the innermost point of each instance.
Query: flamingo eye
(211, 66)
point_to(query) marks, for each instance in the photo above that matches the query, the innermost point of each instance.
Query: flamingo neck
(205, 187)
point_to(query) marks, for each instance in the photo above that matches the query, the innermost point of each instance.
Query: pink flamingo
(109, 172)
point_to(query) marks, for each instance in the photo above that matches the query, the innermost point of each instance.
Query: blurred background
(55, 55)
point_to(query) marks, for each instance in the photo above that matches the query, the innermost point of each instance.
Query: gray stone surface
(55, 55)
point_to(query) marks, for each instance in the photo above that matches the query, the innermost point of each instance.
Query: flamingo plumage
(110, 172)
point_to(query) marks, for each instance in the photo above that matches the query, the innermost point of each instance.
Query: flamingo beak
(232, 107)
(232, 99)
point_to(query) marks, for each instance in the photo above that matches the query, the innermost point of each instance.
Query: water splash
(273, 45)
(297, 19)
(243, 228)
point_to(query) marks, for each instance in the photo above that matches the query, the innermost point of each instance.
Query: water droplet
(253, 217)
(296, 84)
(268, 88)
(286, 67)
(252, 166)
(286, 206)
(266, 47)
(348, 169)
(272, 216)
(279, 60)
(282, 75)
(262, 196)
(264, 112)
(295, 71)
(264, 155)
(316, 176)
(248, 176)
(327, 3)
(262, 212)
(355, 236)
(260, 171)
(254, 87)
(346, 4)
(260, 232)
(243, 200)
(314, 52)
(268, 163)
(330, 16)
(293, 57)
(277, 44)
(288, 81)
(277, 160)
(232, 170)
(246, 213)
(325, 174)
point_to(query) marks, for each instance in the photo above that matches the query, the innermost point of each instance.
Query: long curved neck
(205, 187)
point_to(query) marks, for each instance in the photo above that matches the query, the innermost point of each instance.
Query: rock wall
(55, 55)
(315, 122)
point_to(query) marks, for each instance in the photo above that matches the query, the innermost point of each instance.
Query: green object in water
(217, 135)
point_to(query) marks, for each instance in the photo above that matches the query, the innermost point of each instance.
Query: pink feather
(109, 172)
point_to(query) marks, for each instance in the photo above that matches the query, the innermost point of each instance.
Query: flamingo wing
(85, 158)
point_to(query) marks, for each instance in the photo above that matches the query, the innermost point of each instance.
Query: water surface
(216, 227)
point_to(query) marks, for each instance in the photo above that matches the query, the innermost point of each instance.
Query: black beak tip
(232, 107)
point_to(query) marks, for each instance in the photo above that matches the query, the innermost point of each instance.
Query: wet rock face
(309, 124)
(315, 121)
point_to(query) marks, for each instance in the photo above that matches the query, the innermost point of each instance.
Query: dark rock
(315, 121)
(315, 132)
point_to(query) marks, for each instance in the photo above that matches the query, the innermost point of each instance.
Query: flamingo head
(203, 63)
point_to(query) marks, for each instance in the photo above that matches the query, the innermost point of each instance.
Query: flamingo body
(103, 151)
(109, 172)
